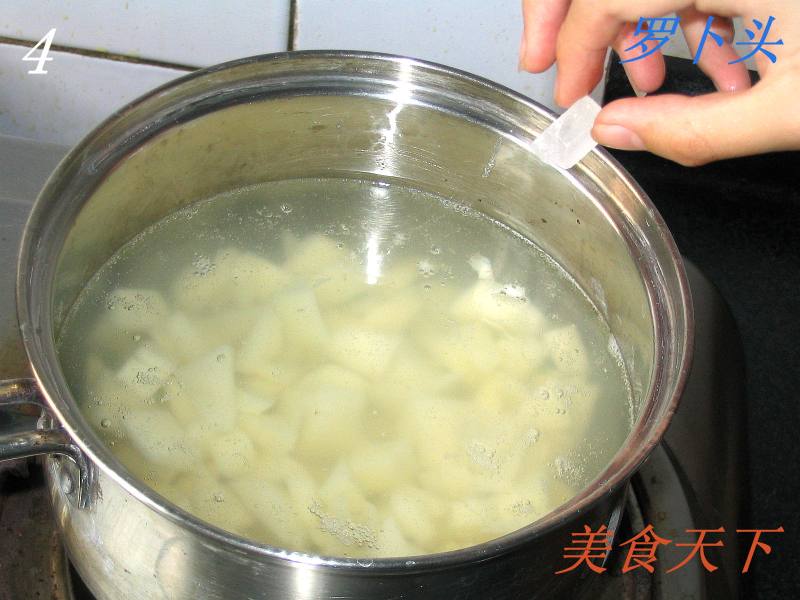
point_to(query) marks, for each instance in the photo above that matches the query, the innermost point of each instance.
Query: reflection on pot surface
(347, 368)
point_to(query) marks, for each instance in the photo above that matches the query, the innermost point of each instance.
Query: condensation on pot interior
(347, 368)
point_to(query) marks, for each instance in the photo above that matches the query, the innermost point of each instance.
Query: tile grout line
(293, 22)
(102, 55)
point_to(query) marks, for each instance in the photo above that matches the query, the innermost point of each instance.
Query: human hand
(736, 120)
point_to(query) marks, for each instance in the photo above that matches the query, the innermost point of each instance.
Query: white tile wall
(187, 32)
(474, 35)
(75, 95)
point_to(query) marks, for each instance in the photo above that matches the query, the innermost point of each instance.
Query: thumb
(695, 130)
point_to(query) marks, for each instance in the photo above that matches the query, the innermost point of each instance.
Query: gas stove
(693, 480)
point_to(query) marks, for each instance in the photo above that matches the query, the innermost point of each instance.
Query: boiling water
(347, 368)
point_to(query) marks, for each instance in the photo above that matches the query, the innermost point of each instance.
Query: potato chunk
(231, 276)
(159, 437)
(255, 279)
(377, 467)
(253, 404)
(207, 390)
(232, 453)
(107, 403)
(262, 344)
(209, 499)
(348, 524)
(275, 435)
(302, 322)
(366, 352)
(468, 350)
(271, 504)
(567, 349)
(145, 372)
(133, 310)
(504, 306)
(417, 513)
(328, 406)
(180, 337)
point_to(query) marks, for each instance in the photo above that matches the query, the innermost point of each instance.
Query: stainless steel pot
(330, 114)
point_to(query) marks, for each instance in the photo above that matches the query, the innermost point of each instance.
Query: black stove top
(738, 221)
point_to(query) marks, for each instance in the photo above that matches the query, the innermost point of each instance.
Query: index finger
(541, 19)
(588, 30)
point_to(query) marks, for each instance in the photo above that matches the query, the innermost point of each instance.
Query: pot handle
(25, 430)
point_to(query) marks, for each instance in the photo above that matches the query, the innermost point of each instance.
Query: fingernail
(617, 136)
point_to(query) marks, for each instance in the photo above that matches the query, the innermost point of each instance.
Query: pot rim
(624, 463)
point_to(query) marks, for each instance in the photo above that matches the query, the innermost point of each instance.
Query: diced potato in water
(333, 275)
(261, 345)
(131, 310)
(153, 474)
(340, 494)
(208, 389)
(302, 490)
(500, 393)
(434, 424)
(145, 372)
(180, 337)
(365, 351)
(327, 430)
(559, 492)
(312, 255)
(327, 415)
(393, 404)
(417, 513)
(172, 397)
(202, 286)
(400, 274)
(255, 279)
(510, 511)
(316, 386)
(273, 378)
(392, 542)
(232, 276)
(229, 327)
(467, 519)
(275, 435)
(107, 402)
(231, 453)
(567, 349)
(519, 355)
(271, 504)
(377, 467)
(159, 438)
(249, 403)
(211, 500)
(449, 477)
(348, 524)
(504, 306)
(467, 350)
(302, 322)
(411, 374)
(392, 314)
(339, 284)
(558, 405)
